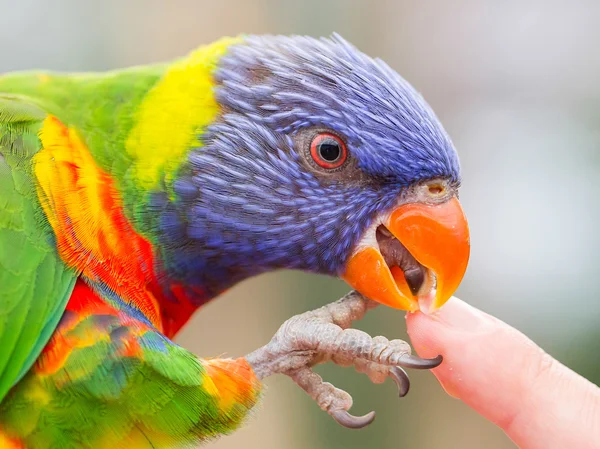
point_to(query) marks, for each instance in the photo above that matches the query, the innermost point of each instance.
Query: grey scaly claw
(401, 379)
(415, 362)
(352, 422)
(333, 400)
(324, 335)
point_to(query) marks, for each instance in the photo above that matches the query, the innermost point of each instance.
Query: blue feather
(247, 201)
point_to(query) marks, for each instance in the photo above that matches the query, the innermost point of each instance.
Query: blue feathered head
(319, 158)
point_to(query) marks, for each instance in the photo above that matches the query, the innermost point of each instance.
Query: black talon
(413, 361)
(352, 422)
(399, 376)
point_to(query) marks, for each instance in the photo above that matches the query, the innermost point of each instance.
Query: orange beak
(437, 236)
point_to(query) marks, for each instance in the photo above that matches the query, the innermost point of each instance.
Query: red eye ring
(328, 151)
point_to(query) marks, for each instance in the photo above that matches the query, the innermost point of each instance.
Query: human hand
(504, 376)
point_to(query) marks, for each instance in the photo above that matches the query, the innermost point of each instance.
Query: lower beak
(437, 236)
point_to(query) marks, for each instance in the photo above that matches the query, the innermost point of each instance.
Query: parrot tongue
(396, 255)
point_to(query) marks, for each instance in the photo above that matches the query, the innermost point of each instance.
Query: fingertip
(503, 375)
(445, 332)
(439, 332)
(426, 334)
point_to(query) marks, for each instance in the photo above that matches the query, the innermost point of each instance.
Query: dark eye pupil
(329, 150)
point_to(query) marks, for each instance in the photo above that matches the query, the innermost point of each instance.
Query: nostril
(436, 189)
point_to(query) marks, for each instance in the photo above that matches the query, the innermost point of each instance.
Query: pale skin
(492, 367)
(508, 379)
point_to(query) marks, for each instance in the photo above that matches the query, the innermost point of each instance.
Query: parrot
(131, 198)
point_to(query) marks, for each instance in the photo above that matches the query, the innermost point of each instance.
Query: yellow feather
(173, 113)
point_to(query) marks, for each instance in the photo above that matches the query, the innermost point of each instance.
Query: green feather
(35, 282)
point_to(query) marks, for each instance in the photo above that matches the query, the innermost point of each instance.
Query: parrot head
(325, 160)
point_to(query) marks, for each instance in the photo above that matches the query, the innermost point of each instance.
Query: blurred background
(517, 85)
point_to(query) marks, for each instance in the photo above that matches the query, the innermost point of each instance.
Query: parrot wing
(35, 284)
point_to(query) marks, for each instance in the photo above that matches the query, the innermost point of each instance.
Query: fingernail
(458, 314)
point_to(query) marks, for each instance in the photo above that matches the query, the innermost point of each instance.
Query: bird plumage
(130, 198)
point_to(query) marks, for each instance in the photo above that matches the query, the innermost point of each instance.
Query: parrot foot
(324, 335)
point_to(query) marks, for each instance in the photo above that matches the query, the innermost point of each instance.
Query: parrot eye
(328, 151)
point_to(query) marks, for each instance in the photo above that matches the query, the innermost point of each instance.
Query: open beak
(417, 258)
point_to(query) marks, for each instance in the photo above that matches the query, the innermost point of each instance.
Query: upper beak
(437, 236)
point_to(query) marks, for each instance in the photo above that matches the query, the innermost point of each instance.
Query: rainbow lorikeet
(129, 199)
